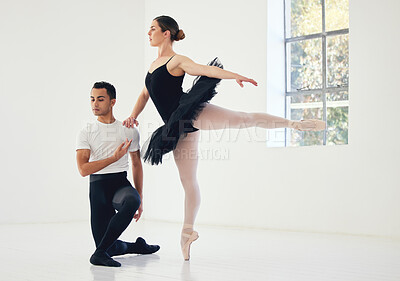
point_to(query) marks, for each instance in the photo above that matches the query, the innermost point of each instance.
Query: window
(317, 69)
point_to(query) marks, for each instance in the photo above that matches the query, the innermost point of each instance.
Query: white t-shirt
(102, 140)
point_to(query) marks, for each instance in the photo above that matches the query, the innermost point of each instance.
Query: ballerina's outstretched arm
(195, 69)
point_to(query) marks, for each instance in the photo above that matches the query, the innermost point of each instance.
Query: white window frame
(324, 90)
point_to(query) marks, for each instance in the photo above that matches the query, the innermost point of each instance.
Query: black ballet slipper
(103, 259)
(141, 247)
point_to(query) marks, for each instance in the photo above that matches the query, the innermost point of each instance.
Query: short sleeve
(135, 146)
(82, 140)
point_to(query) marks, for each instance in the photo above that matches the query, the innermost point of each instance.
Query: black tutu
(166, 137)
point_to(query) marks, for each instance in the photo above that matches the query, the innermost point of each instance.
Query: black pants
(110, 192)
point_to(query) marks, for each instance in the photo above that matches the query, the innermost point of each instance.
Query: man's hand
(139, 212)
(122, 149)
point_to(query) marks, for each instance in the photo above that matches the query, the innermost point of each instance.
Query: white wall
(52, 53)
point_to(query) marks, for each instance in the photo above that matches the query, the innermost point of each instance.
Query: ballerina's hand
(240, 79)
(130, 122)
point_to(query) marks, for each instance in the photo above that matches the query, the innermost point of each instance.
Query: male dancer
(102, 153)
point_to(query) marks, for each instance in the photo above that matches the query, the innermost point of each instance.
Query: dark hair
(168, 23)
(105, 85)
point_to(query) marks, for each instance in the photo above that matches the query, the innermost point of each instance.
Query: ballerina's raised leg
(214, 117)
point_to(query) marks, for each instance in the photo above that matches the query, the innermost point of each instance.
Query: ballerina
(184, 114)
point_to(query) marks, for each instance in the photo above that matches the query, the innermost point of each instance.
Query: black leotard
(165, 90)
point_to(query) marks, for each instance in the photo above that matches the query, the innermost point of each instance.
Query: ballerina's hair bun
(168, 23)
(180, 35)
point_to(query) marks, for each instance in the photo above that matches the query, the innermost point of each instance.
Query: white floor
(61, 252)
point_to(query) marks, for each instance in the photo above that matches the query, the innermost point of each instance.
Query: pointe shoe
(191, 238)
(309, 125)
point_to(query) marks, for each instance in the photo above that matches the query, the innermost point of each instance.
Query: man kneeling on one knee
(102, 152)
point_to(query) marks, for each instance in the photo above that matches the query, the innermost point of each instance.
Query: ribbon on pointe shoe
(191, 238)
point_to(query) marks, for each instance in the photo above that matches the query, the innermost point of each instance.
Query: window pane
(303, 17)
(305, 107)
(337, 14)
(337, 60)
(305, 64)
(338, 118)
